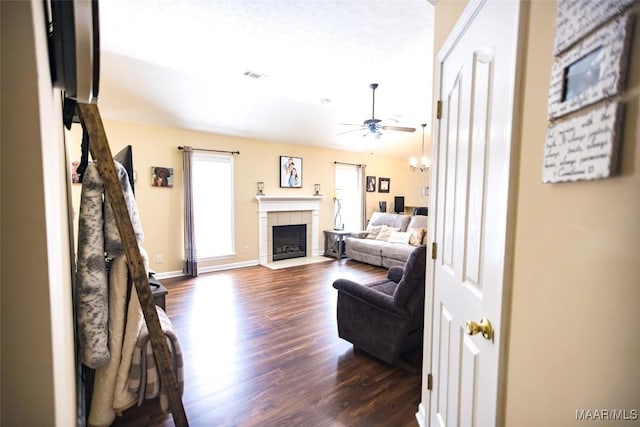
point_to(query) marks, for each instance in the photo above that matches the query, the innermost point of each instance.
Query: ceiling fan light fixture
(373, 125)
(425, 162)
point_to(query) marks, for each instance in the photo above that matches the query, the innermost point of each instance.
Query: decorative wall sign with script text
(587, 91)
(593, 70)
(583, 147)
(576, 18)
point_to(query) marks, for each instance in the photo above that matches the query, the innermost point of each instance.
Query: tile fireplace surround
(287, 210)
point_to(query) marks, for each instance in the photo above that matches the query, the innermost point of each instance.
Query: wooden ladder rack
(100, 151)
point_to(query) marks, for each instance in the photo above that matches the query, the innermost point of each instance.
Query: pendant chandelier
(424, 160)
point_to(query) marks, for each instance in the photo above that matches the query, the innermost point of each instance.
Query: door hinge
(439, 110)
(429, 382)
(434, 250)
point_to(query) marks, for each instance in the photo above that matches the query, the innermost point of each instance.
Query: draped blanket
(98, 235)
(111, 329)
(131, 374)
(110, 392)
(144, 378)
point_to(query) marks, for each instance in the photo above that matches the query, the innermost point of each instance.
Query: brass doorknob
(484, 327)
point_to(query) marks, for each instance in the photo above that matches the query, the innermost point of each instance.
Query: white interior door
(476, 77)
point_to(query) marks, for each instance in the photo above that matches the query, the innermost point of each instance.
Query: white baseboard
(421, 416)
(208, 269)
(222, 267)
(168, 274)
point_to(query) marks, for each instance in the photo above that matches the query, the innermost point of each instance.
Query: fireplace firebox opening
(289, 241)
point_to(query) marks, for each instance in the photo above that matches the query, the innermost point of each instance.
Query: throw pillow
(373, 230)
(359, 234)
(399, 237)
(385, 232)
(417, 234)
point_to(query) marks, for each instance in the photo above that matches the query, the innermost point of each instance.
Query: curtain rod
(360, 165)
(181, 147)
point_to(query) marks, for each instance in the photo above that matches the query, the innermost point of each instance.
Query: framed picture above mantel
(290, 172)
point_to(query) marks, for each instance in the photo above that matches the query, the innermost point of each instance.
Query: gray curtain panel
(363, 200)
(190, 253)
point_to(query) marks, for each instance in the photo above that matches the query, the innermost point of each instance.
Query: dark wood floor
(261, 349)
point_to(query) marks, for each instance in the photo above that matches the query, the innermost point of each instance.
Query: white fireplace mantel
(288, 203)
(268, 204)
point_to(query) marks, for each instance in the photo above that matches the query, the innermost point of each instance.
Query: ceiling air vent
(254, 75)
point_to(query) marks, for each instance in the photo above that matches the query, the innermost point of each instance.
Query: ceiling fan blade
(350, 124)
(399, 128)
(351, 130)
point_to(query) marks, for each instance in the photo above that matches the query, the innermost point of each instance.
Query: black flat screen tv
(398, 204)
(125, 158)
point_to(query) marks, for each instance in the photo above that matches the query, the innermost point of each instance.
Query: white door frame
(472, 9)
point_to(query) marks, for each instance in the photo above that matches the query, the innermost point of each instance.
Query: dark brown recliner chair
(385, 318)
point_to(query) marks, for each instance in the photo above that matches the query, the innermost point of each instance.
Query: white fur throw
(97, 235)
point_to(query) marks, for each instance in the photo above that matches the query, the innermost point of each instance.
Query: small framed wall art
(371, 184)
(75, 175)
(587, 90)
(383, 185)
(290, 172)
(592, 70)
(161, 176)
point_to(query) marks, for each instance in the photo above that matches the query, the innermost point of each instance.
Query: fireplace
(289, 241)
(287, 210)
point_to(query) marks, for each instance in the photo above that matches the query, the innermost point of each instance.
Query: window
(213, 205)
(349, 191)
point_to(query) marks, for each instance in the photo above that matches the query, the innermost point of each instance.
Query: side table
(159, 292)
(334, 243)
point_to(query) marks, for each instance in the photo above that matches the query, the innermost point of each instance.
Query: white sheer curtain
(349, 187)
(190, 252)
(212, 187)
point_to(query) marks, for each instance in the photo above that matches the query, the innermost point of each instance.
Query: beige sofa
(388, 240)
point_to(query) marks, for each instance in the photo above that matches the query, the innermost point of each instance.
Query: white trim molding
(268, 204)
(421, 416)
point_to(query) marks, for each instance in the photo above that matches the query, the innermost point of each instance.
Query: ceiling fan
(373, 125)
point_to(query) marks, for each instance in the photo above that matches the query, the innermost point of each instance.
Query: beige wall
(573, 342)
(161, 208)
(38, 379)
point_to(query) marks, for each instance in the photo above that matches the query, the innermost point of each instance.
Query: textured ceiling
(182, 63)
